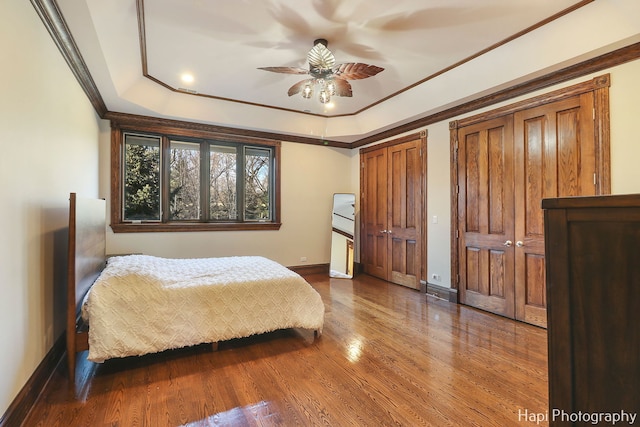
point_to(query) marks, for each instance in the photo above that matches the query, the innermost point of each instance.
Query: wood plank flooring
(388, 355)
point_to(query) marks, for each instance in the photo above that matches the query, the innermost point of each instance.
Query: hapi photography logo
(595, 418)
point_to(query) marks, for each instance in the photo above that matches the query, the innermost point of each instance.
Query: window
(192, 182)
(257, 188)
(142, 178)
(184, 181)
(223, 195)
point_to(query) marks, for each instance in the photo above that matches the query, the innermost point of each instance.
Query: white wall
(310, 175)
(625, 142)
(49, 140)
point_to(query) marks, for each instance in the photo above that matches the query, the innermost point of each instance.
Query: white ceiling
(222, 43)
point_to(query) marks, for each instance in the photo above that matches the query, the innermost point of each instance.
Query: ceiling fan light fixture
(324, 96)
(307, 91)
(331, 87)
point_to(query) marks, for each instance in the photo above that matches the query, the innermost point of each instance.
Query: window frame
(188, 132)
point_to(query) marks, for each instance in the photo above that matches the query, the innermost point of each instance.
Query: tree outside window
(142, 178)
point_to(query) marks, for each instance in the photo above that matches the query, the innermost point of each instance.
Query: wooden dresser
(592, 252)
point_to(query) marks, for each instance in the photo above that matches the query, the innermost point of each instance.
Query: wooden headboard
(86, 259)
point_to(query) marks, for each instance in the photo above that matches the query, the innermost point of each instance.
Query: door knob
(383, 231)
(519, 243)
(508, 243)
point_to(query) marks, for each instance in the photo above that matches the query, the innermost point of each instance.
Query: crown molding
(55, 23)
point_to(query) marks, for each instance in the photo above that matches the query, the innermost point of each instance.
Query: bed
(133, 305)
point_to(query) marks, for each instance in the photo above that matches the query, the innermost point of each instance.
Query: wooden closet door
(404, 214)
(374, 208)
(554, 148)
(485, 215)
(392, 181)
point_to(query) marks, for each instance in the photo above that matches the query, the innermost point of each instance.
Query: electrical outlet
(435, 276)
(303, 259)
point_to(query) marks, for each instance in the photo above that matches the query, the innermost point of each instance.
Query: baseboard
(27, 397)
(310, 269)
(322, 269)
(358, 268)
(447, 294)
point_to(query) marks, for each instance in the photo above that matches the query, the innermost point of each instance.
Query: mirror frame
(343, 216)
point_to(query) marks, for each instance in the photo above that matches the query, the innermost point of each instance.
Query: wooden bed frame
(86, 259)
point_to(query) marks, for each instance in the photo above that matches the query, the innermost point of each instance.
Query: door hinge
(457, 234)
(595, 179)
(594, 113)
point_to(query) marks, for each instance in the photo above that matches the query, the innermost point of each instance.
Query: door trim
(598, 85)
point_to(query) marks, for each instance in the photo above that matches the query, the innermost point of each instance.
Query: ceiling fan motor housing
(321, 41)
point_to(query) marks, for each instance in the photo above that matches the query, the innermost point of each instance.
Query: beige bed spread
(143, 304)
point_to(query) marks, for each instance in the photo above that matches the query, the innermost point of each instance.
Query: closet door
(374, 251)
(392, 181)
(404, 213)
(554, 148)
(485, 216)
(506, 166)
(505, 161)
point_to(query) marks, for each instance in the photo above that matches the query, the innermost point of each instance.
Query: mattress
(143, 304)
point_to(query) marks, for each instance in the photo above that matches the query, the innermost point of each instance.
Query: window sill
(155, 227)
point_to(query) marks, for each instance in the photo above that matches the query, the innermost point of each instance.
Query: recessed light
(187, 78)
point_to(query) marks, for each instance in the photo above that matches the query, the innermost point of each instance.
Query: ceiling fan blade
(356, 70)
(296, 88)
(343, 88)
(320, 58)
(285, 70)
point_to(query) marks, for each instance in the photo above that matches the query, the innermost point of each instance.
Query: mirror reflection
(342, 231)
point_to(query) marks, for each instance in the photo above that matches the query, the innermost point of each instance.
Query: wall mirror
(343, 218)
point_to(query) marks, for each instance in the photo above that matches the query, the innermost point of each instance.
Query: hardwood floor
(388, 355)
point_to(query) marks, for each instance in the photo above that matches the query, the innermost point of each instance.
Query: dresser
(592, 253)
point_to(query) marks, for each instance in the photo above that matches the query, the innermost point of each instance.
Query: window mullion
(205, 181)
(165, 166)
(272, 185)
(240, 182)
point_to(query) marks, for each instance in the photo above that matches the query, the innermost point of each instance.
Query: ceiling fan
(331, 79)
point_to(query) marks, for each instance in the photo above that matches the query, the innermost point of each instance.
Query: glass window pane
(257, 191)
(184, 180)
(141, 178)
(223, 189)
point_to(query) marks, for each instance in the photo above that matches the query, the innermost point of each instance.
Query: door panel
(554, 157)
(374, 199)
(485, 204)
(404, 213)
